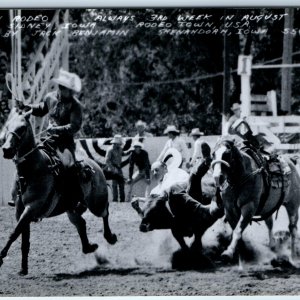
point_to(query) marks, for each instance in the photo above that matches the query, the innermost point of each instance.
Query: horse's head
(223, 160)
(14, 133)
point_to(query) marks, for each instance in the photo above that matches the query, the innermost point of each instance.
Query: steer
(178, 211)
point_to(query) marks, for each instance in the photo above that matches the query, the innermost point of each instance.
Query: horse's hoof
(111, 239)
(90, 248)
(23, 272)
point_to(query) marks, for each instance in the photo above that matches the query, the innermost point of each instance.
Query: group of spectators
(139, 158)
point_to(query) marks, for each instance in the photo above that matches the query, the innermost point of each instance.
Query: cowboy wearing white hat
(113, 161)
(236, 109)
(65, 119)
(138, 144)
(196, 132)
(197, 153)
(117, 139)
(141, 129)
(140, 158)
(68, 80)
(174, 142)
(235, 106)
(171, 129)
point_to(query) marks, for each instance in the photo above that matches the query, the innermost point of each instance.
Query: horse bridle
(21, 159)
(245, 178)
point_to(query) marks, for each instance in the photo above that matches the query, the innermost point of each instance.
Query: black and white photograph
(149, 151)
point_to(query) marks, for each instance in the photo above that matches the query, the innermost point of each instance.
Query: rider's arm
(40, 109)
(75, 122)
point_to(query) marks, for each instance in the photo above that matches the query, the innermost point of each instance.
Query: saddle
(275, 171)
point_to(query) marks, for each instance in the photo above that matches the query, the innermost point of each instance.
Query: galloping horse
(243, 188)
(40, 199)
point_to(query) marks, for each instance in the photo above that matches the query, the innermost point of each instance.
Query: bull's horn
(136, 206)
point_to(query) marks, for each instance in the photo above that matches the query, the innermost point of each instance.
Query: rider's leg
(194, 185)
(73, 190)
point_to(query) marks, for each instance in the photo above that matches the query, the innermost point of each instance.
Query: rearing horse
(40, 199)
(242, 187)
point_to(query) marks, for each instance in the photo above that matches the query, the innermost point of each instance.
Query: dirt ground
(139, 264)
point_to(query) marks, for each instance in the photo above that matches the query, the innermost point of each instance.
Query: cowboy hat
(171, 128)
(140, 123)
(235, 106)
(137, 144)
(117, 139)
(196, 131)
(68, 80)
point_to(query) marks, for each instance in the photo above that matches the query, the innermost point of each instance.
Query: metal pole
(286, 78)
(19, 59)
(226, 79)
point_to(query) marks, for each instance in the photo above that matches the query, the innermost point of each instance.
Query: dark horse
(242, 186)
(40, 199)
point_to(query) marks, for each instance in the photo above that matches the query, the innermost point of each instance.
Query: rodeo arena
(180, 214)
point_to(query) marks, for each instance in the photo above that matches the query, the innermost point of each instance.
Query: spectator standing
(174, 142)
(197, 153)
(140, 158)
(141, 129)
(236, 109)
(113, 162)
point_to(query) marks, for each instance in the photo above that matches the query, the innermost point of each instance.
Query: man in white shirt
(141, 130)
(166, 177)
(174, 142)
(236, 109)
(197, 153)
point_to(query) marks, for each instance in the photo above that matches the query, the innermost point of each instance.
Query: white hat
(68, 80)
(137, 144)
(117, 139)
(196, 131)
(235, 106)
(140, 123)
(171, 128)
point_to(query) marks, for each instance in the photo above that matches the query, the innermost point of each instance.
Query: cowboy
(113, 161)
(197, 153)
(201, 167)
(140, 158)
(141, 129)
(166, 177)
(65, 118)
(236, 109)
(174, 142)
